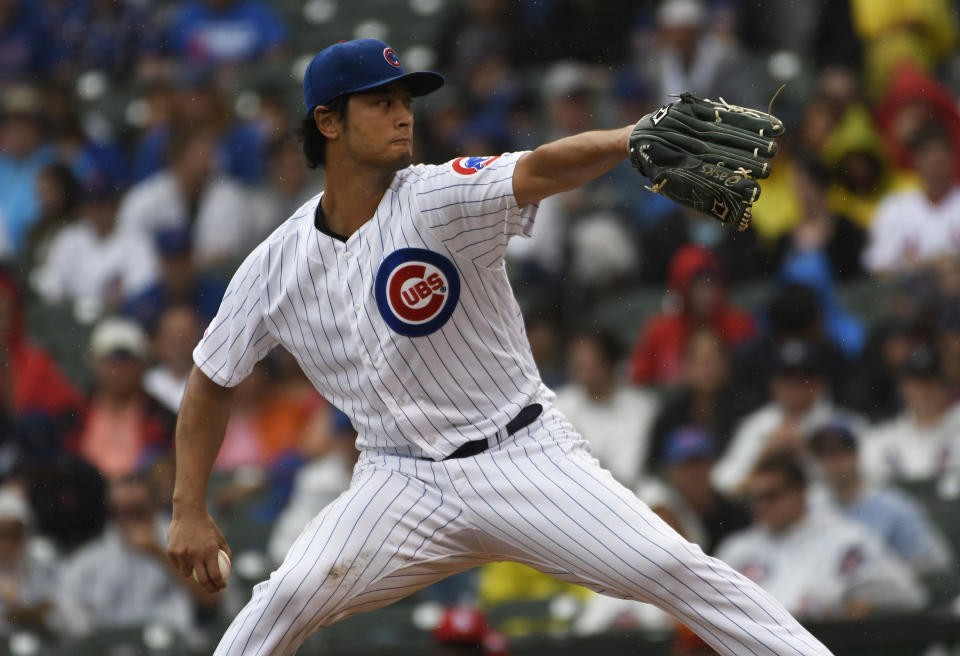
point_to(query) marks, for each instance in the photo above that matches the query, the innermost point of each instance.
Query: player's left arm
(567, 163)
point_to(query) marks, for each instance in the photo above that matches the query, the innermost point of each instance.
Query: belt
(526, 417)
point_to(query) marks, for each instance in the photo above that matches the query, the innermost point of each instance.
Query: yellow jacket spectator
(895, 31)
(862, 175)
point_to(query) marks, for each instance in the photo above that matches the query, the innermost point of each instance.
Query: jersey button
(348, 255)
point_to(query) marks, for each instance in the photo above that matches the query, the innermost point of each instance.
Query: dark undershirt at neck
(320, 223)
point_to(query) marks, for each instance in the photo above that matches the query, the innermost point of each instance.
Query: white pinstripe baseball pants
(538, 498)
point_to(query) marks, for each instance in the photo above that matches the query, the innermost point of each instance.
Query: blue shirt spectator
(812, 269)
(24, 155)
(217, 31)
(27, 47)
(888, 513)
(239, 153)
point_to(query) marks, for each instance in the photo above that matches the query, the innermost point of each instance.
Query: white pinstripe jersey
(410, 326)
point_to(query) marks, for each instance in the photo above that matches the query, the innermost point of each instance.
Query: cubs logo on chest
(416, 291)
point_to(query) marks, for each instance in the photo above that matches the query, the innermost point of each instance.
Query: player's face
(379, 128)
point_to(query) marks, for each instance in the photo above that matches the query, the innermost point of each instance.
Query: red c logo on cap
(391, 57)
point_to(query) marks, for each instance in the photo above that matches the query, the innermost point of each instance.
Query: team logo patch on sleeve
(416, 291)
(472, 165)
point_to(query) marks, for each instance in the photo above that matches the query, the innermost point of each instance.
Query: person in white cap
(123, 422)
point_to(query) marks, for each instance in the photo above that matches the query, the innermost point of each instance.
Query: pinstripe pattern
(313, 295)
(538, 498)
(411, 518)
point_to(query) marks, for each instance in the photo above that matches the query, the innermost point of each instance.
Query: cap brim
(420, 83)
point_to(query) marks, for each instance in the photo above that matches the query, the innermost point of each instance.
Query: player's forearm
(200, 430)
(567, 163)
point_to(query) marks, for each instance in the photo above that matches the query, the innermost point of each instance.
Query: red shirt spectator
(695, 278)
(30, 381)
(914, 100)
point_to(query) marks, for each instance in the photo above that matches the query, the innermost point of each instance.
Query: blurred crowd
(779, 433)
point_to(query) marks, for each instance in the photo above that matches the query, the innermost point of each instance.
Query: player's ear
(328, 123)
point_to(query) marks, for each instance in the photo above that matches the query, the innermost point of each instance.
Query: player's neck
(351, 194)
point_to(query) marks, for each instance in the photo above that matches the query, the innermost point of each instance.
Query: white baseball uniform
(410, 327)
(821, 564)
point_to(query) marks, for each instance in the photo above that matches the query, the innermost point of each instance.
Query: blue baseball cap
(359, 65)
(688, 443)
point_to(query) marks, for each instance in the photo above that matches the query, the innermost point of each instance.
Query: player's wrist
(188, 505)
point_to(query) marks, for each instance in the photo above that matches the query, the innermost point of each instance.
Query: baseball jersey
(409, 325)
(818, 566)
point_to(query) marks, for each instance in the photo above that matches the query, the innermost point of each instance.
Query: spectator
(913, 101)
(198, 105)
(697, 283)
(862, 176)
(691, 58)
(704, 398)
(688, 458)
(28, 569)
(179, 283)
(925, 437)
(794, 314)
(25, 153)
(177, 333)
(270, 418)
(921, 33)
(799, 400)
(58, 197)
(28, 49)
(226, 32)
(887, 512)
(90, 263)
(124, 577)
(31, 381)
(872, 388)
(329, 446)
(913, 227)
(817, 564)
(613, 417)
(124, 424)
(567, 90)
(187, 194)
(819, 230)
(812, 269)
(289, 185)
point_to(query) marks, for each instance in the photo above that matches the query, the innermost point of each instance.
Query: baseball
(224, 561)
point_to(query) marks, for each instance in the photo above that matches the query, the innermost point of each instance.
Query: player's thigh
(362, 542)
(548, 504)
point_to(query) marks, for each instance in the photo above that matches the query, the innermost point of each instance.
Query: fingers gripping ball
(223, 560)
(706, 155)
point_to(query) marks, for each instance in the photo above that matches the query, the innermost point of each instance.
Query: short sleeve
(468, 204)
(237, 338)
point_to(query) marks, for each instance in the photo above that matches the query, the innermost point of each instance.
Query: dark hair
(607, 345)
(312, 142)
(795, 310)
(63, 176)
(784, 464)
(181, 139)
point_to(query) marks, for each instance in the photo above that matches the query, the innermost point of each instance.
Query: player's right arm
(194, 537)
(234, 342)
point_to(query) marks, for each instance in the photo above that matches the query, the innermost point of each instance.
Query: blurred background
(785, 397)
